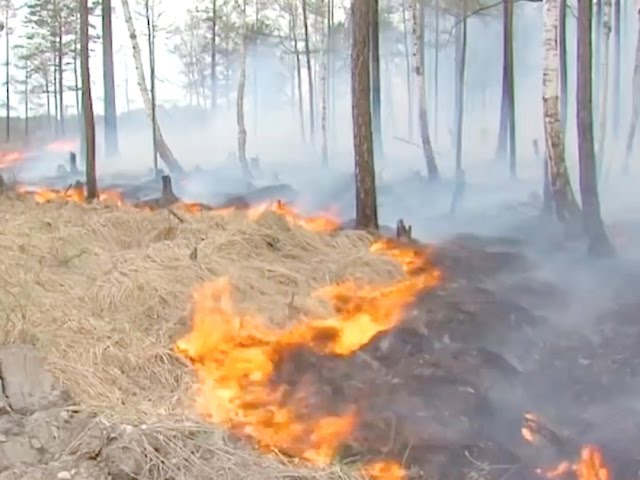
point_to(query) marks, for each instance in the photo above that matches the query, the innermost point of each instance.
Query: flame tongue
(236, 356)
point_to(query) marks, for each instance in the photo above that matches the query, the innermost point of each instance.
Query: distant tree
(242, 82)
(599, 243)
(418, 19)
(366, 203)
(8, 12)
(110, 113)
(506, 136)
(604, 85)
(635, 99)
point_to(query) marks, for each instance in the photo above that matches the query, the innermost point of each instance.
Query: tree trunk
(26, 103)
(242, 80)
(562, 52)
(48, 100)
(436, 71)
(76, 77)
(151, 44)
(60, 58)
(511, 95)
(635, 111)
(604, 86)
(376, 94)
(323, 106)
(7, 72)
(110, 115)
(307, 52)
(87, 106)
(366, 204)
(461, 60)
(56, 107)
(294, 22)
(214, 52)
(597, 34)
(507, 66)
(616, 64)
(407, 57)
(565, 205)
(418, 58)
(599, 243)
(163, 149)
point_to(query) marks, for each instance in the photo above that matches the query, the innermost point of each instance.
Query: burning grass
(104, 292)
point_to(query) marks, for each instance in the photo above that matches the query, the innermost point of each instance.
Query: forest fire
(384, 470)
(589, 466)
(236, 356)
(77, 194)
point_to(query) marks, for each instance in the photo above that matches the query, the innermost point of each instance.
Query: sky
(168, 66)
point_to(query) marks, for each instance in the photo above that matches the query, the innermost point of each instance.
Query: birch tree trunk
(418, 62)
(635, 111)
(296, 50)
(599, 243)
(164, 151)
(562, 51)
(565, 205)
(604, 86)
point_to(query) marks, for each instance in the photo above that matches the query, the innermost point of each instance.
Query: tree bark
(599, 243)
(110, 113)
(418, 59)
(565, 205)
(164, 151)
(87, 105)
(366, 204)
(376, 93)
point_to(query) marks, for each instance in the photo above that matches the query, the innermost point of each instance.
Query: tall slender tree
(375, 78)
(87, 104)
(366, 204)
(110, 113)
(599, 243)
(564, 202)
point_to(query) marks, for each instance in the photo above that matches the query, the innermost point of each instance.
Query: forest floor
(94, 298)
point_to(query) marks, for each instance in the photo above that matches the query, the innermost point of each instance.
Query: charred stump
(73, 163)
(403, 232)
(167, 197)
(3, 185)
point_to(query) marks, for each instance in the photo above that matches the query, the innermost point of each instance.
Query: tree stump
(403, 232)
(73, 163)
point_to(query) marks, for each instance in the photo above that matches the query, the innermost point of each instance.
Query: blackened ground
(446, 391)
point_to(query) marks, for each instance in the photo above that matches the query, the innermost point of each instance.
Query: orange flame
(590, 466)
(236, 355)
(71, 194)
(384, 470)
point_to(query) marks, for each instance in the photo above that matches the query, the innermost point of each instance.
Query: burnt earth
(445, 392)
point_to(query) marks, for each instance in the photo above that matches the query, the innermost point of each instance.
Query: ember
(236, 355)
(384, 470)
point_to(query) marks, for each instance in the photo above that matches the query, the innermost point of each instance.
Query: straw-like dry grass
(104, 292)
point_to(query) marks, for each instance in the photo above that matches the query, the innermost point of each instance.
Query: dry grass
(104, 292)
